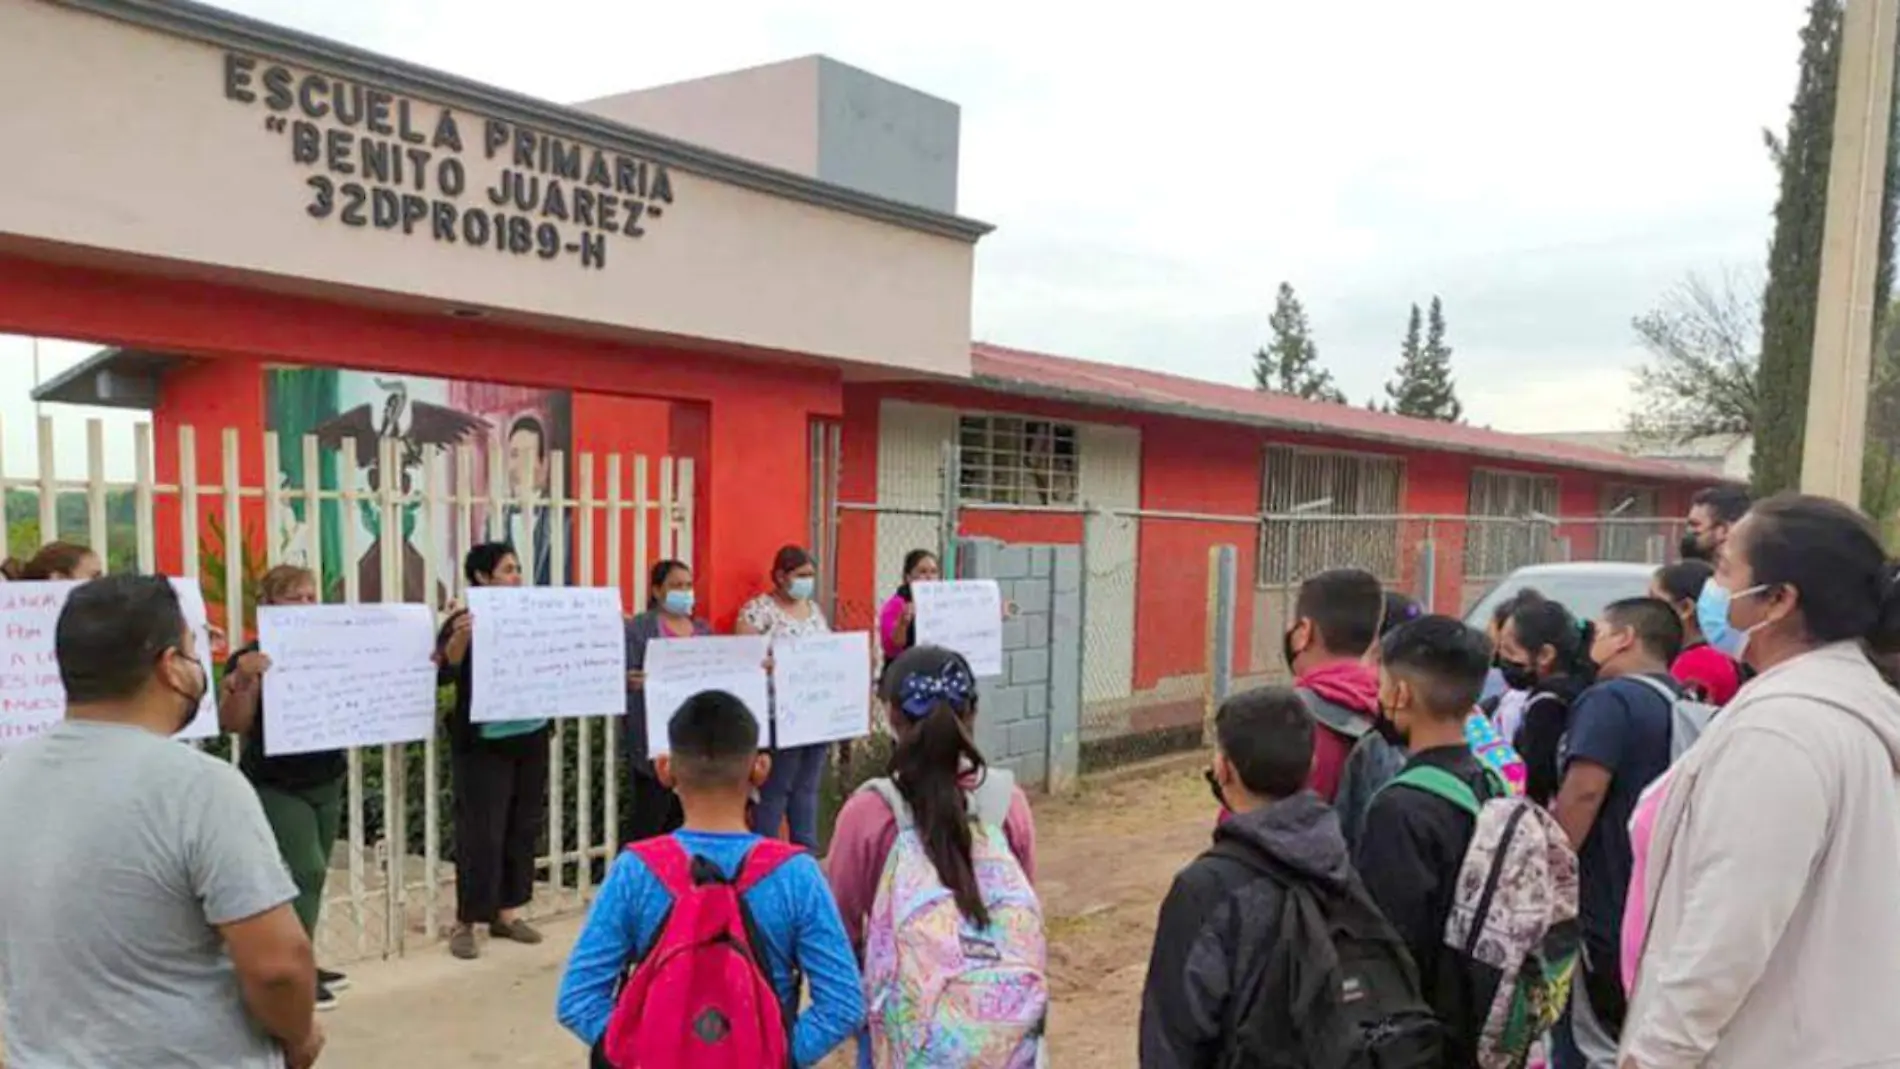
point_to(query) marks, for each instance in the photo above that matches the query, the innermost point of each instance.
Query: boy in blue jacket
(713, 765)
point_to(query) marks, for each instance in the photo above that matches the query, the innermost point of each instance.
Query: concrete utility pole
(1844, 313)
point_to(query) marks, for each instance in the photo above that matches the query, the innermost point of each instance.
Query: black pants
(651, 809)
(501, 805)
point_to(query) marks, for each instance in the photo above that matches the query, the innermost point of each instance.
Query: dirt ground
(1106, 856)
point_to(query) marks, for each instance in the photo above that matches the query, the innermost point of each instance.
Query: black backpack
(1338, 990)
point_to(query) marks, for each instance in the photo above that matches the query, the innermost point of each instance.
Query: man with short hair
(1711, 513)
(145, 914)
(1336, 620)
(1220, 920)
(1412, 851)
(1618, 743)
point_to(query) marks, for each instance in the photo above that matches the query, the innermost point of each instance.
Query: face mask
(1286, 650)
(1517, 676)
(1711, 613)
(679, 602)
(802, 588)
(1213, 783)
(1390, 731)
(189, 711)
(1691, 548)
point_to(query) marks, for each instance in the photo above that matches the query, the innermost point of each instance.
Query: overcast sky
(1153, 174)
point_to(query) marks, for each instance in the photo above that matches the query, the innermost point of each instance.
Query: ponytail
(932, 695)
(928, 766)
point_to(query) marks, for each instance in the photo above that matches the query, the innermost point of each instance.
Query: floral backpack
(940, 992)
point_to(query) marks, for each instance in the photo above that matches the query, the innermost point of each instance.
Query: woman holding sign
(897, 621)
(652, 808)
(501, 783)
(790, 794)
(302, 794)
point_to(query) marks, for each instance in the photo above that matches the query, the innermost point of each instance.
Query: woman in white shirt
(789, 611)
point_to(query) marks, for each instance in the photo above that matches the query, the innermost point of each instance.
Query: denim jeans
(791, 794)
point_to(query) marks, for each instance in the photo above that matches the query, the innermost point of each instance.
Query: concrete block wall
(1029, 719)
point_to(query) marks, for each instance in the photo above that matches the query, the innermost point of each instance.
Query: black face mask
(1691, 548)
(1213, 784)
(191, 702)
(1286, 650)
(1517, 676)
(1390, 731)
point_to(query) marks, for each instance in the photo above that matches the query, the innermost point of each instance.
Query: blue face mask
(802, 588)
(1711, 612)
(679, 602)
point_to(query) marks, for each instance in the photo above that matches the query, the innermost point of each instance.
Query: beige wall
(767, 114)
(126, 139)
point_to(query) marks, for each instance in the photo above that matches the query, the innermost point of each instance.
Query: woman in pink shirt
(897, 621)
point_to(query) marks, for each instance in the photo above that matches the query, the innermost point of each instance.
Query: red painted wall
(756, 495)
(209, 397)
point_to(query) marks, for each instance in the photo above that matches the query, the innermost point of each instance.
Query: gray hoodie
(1774, 881)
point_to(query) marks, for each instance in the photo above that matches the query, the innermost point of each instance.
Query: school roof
(1060, 378)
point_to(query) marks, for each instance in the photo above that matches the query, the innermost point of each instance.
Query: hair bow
(922, 691)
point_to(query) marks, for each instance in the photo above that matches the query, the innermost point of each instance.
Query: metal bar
(98, 536)
(49, 484)
(348, 566)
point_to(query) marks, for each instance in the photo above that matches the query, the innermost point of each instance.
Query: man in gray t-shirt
(144, 908)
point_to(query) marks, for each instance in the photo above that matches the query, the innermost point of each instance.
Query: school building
(373, 305)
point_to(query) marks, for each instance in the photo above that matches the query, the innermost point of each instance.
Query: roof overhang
(111, 378)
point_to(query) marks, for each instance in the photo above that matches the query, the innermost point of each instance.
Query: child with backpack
(932, 871)
(1268, 951)
(696, 946)
(1440, 837)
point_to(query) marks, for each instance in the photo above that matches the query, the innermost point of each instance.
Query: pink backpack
(941, 993)
(700, 996)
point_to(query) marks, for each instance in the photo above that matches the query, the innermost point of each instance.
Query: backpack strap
(1661, 688)
(765, 858)
(1441, 784)
(1348, 722)
(990, 802)
(884, 787)
(667, 860)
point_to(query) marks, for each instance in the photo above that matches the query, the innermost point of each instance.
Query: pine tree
(1423, 386)
(1290, 362)
(1794, 256)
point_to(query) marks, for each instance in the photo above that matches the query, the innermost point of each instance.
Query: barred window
(1509, 522)
(1356, 527)
(1633, 527)
(1006, 460)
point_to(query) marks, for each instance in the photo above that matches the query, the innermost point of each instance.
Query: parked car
(1584, 587)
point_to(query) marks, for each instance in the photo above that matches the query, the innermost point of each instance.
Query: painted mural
(519, 427)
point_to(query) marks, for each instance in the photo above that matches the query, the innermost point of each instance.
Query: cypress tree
(1290, 362)
(1794, 256)
(1423, 385)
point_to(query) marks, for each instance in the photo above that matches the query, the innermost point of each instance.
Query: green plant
(214, 564)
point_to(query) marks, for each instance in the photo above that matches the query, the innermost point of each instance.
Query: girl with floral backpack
(932, 871)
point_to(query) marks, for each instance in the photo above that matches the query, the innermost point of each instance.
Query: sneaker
(326, 1000)
(335, 981)
(462, 943)
(516, 931)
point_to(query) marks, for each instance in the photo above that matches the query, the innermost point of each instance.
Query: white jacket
(1774, 881)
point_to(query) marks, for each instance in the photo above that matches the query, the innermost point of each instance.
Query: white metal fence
(621, 514)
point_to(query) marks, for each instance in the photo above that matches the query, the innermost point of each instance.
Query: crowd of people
(1606, 842)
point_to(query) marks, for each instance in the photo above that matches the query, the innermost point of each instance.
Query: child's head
(930, 693)
(1636, 635)
(714, 743)
(1264, 747)
(1431, 672)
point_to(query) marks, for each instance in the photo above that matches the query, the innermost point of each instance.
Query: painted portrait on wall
(426, 419)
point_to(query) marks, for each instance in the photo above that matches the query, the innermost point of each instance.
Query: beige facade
(162, 137)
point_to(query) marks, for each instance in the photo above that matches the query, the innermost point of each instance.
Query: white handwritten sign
(547, 651)
(965, 615)
(679, 668)
(346, 675)
(823, 687)
(32, 698)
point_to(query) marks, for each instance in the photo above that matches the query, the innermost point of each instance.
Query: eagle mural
(415, 425)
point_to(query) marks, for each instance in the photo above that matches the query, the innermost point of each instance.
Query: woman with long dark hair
(1769, 936)
(652, 808)
(1544, 651)
(957, 810)
(897, 620)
